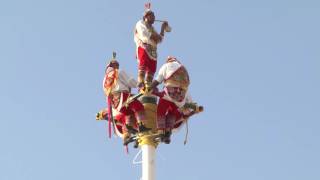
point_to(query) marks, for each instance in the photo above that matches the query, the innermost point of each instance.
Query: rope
(126, 149)
(136, 157)
(187, 133)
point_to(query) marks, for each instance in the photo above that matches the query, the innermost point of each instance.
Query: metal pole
(148, 162)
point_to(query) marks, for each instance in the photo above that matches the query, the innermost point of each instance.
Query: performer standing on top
(146, 39)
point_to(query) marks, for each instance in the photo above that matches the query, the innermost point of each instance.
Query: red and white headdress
(180, 76)
(111, 75)
(171, 59)
(113, 62)
(147, 9)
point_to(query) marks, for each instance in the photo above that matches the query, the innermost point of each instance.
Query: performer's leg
(126, 135)
(130, 124)
(142, 58)
(140, 115)
(170, 119)
(141, 75)
(149, 79)
(166, 137)
(151, 68)
(162, 109)
(137, 108)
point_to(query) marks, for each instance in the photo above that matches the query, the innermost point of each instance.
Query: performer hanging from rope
(147, 39)
(176, 81)
(117, 87)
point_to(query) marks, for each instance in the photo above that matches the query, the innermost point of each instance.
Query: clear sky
(254, 66)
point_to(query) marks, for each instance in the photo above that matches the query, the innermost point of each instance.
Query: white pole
(148, 162)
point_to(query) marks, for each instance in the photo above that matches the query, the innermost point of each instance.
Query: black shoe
(166, 137)
(142, 128)
(136, 144)
(166, 140)
(127, 141)
(131, 130)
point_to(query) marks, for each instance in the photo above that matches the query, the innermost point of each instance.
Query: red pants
(167, 114)
(133, 107)
(145, 63)
(132, 113)
(128, 115)
(131, 110)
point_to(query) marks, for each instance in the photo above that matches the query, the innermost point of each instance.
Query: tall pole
(148, 162)
(147, 141)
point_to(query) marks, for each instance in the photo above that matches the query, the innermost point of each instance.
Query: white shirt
(143, 34)
(167, 70)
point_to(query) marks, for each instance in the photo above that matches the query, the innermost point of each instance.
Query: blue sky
(254, 66)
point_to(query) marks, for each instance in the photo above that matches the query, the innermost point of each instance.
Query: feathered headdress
(111, 75)
(147, 8)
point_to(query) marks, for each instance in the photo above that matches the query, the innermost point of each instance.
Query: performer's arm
(156, 37)
(160, 77)
(163, 27)
(190, 107)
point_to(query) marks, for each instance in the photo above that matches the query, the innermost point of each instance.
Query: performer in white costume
(147, 39)
(176, 81)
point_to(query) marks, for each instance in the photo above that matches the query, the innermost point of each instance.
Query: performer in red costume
(147, 39)
(176, 81)
(117, 86)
